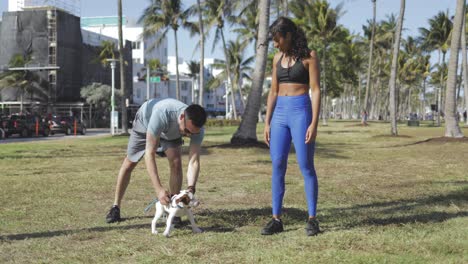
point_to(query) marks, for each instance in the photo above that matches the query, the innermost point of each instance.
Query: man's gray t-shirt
(160, 118)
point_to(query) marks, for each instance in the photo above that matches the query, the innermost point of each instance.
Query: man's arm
(150, 161)
(193, 169)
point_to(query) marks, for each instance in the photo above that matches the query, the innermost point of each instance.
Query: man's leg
(175, 164)
(123, 179)
(122, 182)
(175, 181)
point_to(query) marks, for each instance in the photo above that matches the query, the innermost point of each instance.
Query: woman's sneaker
(273, 227)
(312, 227)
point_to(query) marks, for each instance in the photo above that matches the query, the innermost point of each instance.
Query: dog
(180, 205)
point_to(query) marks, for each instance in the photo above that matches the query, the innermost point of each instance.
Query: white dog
(180, 205)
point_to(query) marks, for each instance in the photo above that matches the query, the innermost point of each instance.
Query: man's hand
(163, 197)
(191, 189)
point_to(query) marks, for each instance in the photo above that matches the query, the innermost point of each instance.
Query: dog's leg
(169, 222)
(157, 215)
(195, 228)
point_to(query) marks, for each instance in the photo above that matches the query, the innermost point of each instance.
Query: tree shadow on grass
(398, 212)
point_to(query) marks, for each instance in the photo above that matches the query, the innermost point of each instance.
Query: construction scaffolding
(52, 45)
(70, 6)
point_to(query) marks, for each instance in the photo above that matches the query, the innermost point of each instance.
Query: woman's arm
(314, 80)
(272, 95)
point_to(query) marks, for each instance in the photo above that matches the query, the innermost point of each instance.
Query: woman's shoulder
(277, 56)
(313, 56)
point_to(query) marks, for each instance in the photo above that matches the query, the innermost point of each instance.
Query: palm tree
(451, 121)
(239, 68)
(247, 131)
(371, 52)
(319, 22)
(122, 71)
(465, 64)
(247, 23)
(392, 84)
(25, 81)
(194, 71)
(107, 51)
(201, 86)
(160, 16)
(217, 11)
(437, 37)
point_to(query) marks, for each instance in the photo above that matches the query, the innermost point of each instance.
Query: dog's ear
(184, 199)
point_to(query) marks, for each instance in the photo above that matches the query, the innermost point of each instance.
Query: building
(142, 50)
(62, 55)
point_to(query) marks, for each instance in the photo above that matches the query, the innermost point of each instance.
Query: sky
(357, 12)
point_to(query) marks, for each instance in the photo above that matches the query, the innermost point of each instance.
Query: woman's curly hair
(299, 49)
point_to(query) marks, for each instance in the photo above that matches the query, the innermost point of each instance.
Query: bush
(222, 122)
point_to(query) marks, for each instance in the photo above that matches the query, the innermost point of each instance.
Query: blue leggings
(291, 118)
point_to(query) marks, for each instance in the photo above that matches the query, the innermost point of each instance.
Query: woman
(292, 115)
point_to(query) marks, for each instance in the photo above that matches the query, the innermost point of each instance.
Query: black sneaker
(273, 227)
(177, 222)
(113, 215)
(312, 228)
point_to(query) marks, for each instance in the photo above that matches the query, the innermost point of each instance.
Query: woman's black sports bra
(294, 74)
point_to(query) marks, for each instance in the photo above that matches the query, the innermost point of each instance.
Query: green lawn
(381, 200)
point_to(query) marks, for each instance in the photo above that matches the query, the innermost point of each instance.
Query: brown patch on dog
(184, 199)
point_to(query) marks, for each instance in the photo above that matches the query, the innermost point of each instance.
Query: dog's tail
(151, 204)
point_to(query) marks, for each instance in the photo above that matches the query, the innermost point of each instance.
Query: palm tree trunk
(247, 131)
(394, 70)
(359, 97)
(325, 104)
(285, 8)
(177, 65)
(451, 121)
(371, 51)
(439, 95)
(465, 64)
(122, 72)
(202, 55)
(240, 94)
(193, 90)
(228, 71)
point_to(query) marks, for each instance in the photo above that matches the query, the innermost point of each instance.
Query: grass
(381, 200)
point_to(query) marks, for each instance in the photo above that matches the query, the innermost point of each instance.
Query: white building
(142, 50)
(71, 6)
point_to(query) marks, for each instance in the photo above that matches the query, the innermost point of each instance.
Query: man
(158, 129)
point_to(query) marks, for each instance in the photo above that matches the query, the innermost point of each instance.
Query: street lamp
(114, 115)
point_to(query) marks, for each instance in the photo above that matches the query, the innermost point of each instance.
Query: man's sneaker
(113, 215)
(312, 227)
(273, 227)
(177, 222)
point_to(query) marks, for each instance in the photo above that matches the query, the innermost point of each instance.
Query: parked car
(66, 125)
(25, 125)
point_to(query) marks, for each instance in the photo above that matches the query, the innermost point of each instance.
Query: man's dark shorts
(137, 145)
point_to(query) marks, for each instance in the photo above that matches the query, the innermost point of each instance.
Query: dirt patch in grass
(390, 136)
(257, 144)
(443, 140)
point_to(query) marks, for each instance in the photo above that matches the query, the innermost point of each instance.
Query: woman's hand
(266, 134)
(311, 134)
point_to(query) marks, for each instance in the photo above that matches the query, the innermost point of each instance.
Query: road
(90, 132)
